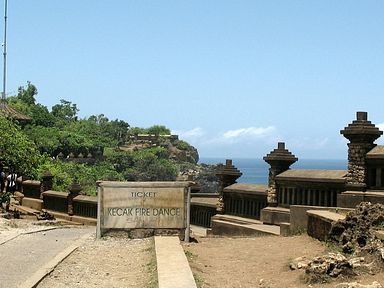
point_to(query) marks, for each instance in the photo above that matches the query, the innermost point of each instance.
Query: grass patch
(198, 280)
(152, 266)
(190, 256)
(334, 247)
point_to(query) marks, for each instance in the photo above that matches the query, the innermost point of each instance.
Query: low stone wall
(299, 216)
(351, 199)
(203, 205)
(320, 223)
(55, 201)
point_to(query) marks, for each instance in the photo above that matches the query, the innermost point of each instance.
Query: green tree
(151, 165)
(25, 102)
(65, 112)
(27, 95)
(158, 130)
(136, 130)
(47, 139)
(41, 116)
(121, 160)
(86, 175)
(17, 150)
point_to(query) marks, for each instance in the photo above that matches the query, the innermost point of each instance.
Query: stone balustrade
(310, 187)
(324, 196)
(85, 206)
(203, 207)
(55, 201)
(245, 200)
(31, 188)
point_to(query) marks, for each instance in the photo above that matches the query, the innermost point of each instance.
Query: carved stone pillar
(361, 133)
(227, 175)
(46, 183)
(279, 160)
(74, 190)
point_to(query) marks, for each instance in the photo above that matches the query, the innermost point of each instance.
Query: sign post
(161, 207)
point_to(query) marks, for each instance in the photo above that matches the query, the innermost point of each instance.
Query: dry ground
(257, 262)
(216, 262)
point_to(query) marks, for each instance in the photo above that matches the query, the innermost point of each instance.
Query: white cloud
(190, 135)
(247, 135)
(230, 136)
(308, 143)
(258, 132)
(380, 126)
(241, 141)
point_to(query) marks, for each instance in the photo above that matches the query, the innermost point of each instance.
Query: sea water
(256, 170)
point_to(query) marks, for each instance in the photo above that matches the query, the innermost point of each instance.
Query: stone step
(228, 225)
(33, 203)
(275, 215)
(375, 192)
(25, 210)
(62, 217)
(199, 231)
(236, 219)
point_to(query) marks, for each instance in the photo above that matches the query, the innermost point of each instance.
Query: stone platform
(275, 215)
(228, 225)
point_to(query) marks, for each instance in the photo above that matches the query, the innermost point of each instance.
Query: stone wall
(357, 167)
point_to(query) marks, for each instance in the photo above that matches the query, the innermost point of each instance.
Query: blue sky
(231, 77)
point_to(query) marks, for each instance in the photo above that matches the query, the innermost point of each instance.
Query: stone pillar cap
(281, 155)
(228, 169)
(361, 129)
(75, 187)
(47, 174)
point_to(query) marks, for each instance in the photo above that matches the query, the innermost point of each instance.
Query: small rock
(374, 284)
(299, 263)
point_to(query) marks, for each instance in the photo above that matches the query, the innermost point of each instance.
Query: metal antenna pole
(5, 52)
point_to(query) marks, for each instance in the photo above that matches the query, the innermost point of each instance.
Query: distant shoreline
(256, 170)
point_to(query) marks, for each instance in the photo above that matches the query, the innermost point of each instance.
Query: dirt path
(110, 262)
(256, 262)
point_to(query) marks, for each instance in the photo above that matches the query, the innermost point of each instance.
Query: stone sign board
(142, 205)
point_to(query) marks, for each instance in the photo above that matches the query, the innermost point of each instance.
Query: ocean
(256, 170)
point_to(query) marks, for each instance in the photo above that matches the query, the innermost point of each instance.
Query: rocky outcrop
(332, 265)
(356, 233)
(359, 236)
(204, 176)
(189, 154)
(178, 150)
